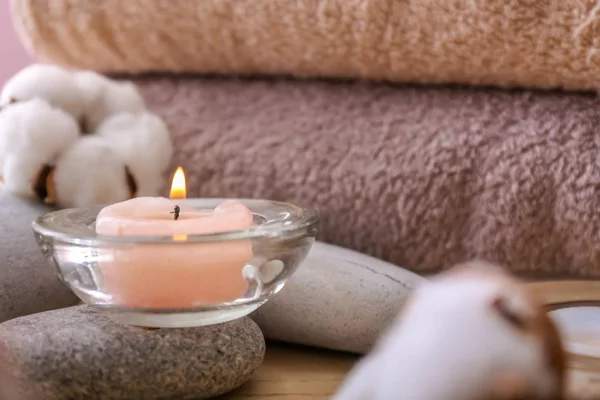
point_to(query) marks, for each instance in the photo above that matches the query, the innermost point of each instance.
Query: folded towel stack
(424, 177)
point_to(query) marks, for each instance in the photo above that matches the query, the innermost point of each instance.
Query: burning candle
(173, 275)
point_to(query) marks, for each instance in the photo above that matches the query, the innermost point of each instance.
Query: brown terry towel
(527, 43)
(421, 177)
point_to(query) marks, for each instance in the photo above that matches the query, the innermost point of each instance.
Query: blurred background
(12, 54)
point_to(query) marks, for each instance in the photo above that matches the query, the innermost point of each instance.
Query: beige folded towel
(529, 43)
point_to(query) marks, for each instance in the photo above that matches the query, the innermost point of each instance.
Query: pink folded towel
(421, 177)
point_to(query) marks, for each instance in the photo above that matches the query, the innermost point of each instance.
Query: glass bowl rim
(297, 226)
(558, 295)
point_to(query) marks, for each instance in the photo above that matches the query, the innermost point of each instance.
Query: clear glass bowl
(574, 306)
(164, 281)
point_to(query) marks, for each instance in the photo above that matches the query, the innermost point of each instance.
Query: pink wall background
(13, 56)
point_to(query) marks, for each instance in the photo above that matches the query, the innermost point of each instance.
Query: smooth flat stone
(28, 283)
(338, 299)
(77, 353)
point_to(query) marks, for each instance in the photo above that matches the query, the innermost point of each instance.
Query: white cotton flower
(90, 172)
(469, 334)
(49, 82)
(32, 134)
(105, 97)
(144, 142)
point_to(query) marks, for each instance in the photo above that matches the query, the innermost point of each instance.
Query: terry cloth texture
(523, 43)
(421, 177)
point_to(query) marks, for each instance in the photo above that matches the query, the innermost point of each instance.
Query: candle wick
(175, 213)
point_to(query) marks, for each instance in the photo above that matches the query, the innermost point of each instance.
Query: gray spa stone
(27, 281)
(76, 353)
(338, 299)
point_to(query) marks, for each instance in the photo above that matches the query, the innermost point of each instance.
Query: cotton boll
(35, 126)
(144, 142)
(473, 333)
(54, 84)
(91, 85)
(19, 174)
(105, 97)
(90, 172)
(32, 134)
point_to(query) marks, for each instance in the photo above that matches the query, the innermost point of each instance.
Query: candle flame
(178, 185)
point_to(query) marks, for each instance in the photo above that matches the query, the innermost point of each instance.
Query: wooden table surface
(296, 373)
(300, 373)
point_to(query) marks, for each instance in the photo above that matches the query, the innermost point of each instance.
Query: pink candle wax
(173, 275)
